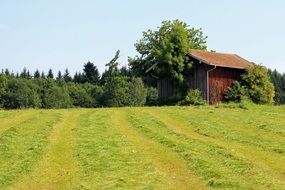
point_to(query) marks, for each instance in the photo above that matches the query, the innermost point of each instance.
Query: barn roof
(220, 59)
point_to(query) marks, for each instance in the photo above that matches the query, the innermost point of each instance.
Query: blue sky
(63, 34)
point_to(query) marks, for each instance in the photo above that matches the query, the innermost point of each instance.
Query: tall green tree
(43, 75)
(278, 81)
(91, 73)
(164, 50)
(50, 74)
(25, 74)
(66, 76)
(37, 74)
(116, 92)
(59, 76)
(113, 65)
(112, 68)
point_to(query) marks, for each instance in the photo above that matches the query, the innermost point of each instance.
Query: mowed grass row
(143, 148)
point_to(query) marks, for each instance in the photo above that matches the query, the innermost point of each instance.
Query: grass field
(143, 148)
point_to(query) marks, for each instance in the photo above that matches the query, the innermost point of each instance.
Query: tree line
(115, 88)
(278, 80)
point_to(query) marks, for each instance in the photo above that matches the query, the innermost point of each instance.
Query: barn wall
(165, 88)
(220, 80)
(197, 79)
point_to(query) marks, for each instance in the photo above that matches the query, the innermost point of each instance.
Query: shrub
(235, 93)
(152, 97)
(258, 86)
(193, 97)
(137, 92)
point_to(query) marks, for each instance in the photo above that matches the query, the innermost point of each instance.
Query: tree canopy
(91, 73)
(163, 51)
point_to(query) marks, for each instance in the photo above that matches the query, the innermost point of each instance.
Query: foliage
(257, 85)
(24, 74)
(97, 92)
(165, 50)
(152, 97)
(3, 88)
(80, 96)
(116, 92)
(66, 76)
(21, 94)
(112, 68)
(91, 73)
(122, 91)
(137, 92)
(50, 74)
(278, 81)
(37, 74)
(193, 97)
(235, 93)
(54, 96)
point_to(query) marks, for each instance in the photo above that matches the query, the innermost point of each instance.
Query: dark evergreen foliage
(50, 74)
(42, 91)
(91, 74)
(278, 81)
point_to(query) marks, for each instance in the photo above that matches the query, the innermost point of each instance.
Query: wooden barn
(213, 73)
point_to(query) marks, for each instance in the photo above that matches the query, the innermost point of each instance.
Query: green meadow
(143, 148)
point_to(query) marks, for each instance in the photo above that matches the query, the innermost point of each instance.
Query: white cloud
(4, 27)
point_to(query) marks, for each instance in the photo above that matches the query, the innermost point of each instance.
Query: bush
(258, 86)
(235, 93)
(255, 85)
(193, 97)
(137, 92)
(151, 97)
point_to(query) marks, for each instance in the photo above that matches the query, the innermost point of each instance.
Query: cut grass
(143, 148)
(173, 168)
(58, 167)
(107, 159)
(22, 145)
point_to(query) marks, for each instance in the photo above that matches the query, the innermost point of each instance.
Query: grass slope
(143, 148)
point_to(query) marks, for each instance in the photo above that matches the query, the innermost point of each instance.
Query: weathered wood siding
(197, 79)
(165, 88)
(220, 80)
